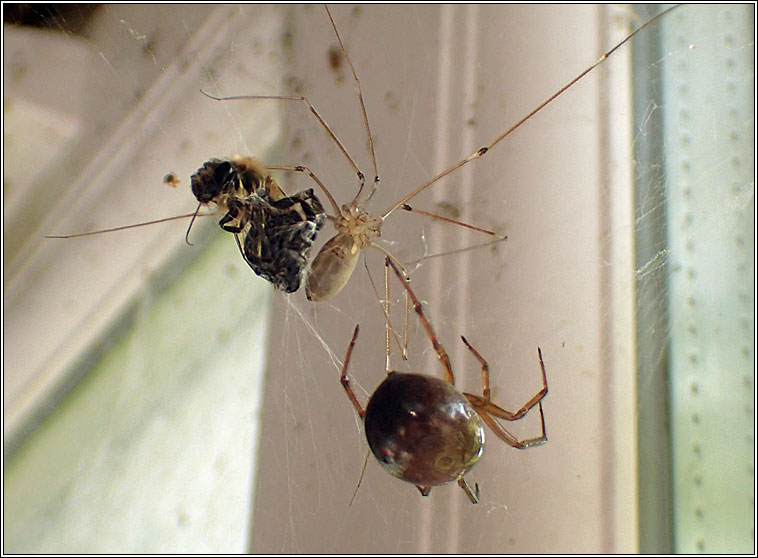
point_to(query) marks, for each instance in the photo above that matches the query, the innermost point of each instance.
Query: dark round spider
(426, 432)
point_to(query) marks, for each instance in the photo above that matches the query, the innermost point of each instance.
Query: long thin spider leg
(487, 409)
(406, 207)
(482, 150)
(404, 347)
(345, 381)
(485, 371)
(363, 110)
(506, 436)
(405, 329)
(428, 256)
(389, 255)
(134, 226)
(360, 479)
(306, 102)
(386, 313)
(486, 405)
(441, 353)
(306, 170)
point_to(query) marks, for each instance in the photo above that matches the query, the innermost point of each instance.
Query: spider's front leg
(345, 381)
(441, 352)
(487, 410)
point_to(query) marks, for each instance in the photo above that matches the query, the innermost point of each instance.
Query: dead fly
(274, 232)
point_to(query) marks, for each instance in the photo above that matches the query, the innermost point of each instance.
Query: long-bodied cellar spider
(356, 227)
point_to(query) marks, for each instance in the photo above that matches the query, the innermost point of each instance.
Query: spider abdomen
(422, 429)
